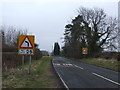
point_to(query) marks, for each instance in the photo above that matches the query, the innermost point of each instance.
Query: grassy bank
(41, 76)
(110, 64)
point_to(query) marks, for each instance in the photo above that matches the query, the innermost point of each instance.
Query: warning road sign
(26, 45)
(84, 50)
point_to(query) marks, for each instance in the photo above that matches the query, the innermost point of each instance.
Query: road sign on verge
(26, 45)
(84, 50)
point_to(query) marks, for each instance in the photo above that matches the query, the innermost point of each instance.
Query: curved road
(75, 74)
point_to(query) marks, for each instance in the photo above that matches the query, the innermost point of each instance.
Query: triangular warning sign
(26, 44)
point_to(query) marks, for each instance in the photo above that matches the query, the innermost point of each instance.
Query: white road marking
(57, 64)
(67, 64)
(92, 73)
(63, 81)
(78, 66)
(60, 77)
(106, 79)
(70, 64)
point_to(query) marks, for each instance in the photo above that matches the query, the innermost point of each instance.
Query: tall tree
(102, 29)
(92, 29)
(56, 49)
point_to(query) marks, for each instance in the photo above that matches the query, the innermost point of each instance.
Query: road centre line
(78, 66)
(106, 78)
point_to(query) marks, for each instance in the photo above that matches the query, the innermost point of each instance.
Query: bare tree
(10, 37)
(102, 27)
(93, 29)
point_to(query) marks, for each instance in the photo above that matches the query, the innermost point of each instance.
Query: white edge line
(61, 78)
(62, 81)
(106, 78)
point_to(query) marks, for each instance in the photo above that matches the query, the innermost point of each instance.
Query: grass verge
(109, 64)
(40, 77)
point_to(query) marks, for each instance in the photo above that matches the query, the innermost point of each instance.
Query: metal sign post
(23, 60)
(30, 61)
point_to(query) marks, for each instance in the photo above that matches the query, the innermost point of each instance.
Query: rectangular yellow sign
(84, 50)
(26, 45)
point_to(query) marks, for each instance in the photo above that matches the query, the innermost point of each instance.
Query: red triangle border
(26, 47)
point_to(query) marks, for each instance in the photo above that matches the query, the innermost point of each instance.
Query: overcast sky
(47, 19)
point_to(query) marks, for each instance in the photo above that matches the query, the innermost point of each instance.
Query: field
(41, 76)
(106, 63)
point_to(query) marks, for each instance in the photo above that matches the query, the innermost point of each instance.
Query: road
(75, 74)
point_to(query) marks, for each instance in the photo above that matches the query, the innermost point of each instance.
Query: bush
(108, 55)
(118, 57)
(12, 59)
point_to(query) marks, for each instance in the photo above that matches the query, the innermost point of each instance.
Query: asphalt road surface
(75, 74)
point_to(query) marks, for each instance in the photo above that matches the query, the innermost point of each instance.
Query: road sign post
(23, 60)
(30, 61)
(26, 47)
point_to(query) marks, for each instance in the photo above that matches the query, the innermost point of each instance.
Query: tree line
(10, 38)
(91, 29)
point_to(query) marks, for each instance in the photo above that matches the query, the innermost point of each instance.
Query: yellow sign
(26, 45)
(84, 50)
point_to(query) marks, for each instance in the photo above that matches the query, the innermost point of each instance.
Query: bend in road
(79, 75)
